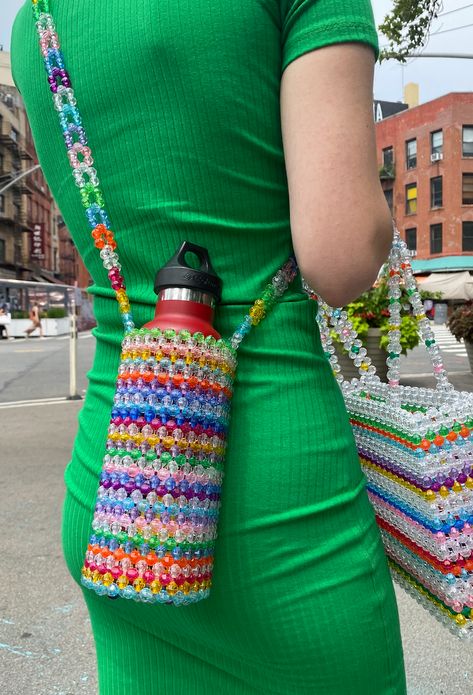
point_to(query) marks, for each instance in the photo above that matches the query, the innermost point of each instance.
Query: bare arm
(340, 221)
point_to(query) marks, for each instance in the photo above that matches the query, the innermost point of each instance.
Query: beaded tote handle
(328, 318)
(87, 180)
(400, 265)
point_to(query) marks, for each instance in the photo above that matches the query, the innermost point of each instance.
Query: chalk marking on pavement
(33, 402)
(22, 352)
(64, 609)
(15, 650)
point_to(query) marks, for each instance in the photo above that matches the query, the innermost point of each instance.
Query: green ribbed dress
(180, 100)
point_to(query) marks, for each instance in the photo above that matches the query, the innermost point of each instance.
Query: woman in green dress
(244, 126)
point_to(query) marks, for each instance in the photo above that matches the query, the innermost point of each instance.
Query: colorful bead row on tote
(416, 449)
(80, 155)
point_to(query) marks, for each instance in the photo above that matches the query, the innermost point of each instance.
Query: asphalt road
(34, 368)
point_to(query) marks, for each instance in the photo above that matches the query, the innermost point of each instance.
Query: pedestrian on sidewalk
(5, 320)
(230, 125)
(35, 318)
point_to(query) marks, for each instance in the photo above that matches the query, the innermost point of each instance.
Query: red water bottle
(187, 296)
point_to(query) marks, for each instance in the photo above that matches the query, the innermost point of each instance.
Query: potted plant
(460, 324)
(369, 315)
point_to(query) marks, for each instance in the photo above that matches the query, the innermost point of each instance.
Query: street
(46, 644)
(33, 368)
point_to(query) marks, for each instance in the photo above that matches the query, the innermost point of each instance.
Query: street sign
(37, 242)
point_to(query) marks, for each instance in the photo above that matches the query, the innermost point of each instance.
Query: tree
(407, 27)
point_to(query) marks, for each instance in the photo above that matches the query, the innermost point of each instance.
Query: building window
(467, 236)
(467, 142)
(411, 154)
(435, 238)
(14, 134)
(411, 199)
(467, 189)
(2, 250)
(436, 192)
(411, 238)
(436, 142)
(388, 157)
(2, 160)
(388, 192)
(2, 203)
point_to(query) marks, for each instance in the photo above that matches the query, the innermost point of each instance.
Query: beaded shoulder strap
(86, 179)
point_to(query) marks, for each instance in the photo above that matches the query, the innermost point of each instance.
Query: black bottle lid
(177, 273)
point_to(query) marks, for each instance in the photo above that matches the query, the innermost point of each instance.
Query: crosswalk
(447, 342)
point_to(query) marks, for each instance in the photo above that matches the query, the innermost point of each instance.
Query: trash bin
(440, 315)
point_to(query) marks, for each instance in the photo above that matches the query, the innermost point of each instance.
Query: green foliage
(409, 334)
(407, 27)
(460, 322)
(387, 172)
(56, 313)
(53, 313)
(371, 310)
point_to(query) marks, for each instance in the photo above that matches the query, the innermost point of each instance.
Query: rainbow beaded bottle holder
(156, 513)
(416, 449)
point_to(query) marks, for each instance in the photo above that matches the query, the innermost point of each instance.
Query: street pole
(457, 56)
(468, 56)
(73, 395)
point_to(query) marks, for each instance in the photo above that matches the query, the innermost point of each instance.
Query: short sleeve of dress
(310, 24)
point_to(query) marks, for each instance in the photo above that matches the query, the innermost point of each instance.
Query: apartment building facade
(425, 156)
(34, 243)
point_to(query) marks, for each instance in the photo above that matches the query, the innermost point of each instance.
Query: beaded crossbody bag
(155, 521)
(416, 449)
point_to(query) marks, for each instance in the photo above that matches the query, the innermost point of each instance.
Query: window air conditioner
(436, 157)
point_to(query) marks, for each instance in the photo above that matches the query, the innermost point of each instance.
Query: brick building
(34, 243)
(425, 155)
(14, 158)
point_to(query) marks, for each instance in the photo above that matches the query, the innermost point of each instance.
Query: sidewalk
(46, 644)
(46, 641)
(463, 381)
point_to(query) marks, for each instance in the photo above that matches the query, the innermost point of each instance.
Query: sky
(435, 76)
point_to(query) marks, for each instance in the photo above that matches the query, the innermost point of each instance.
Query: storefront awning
(451, 285)
(442, 264)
